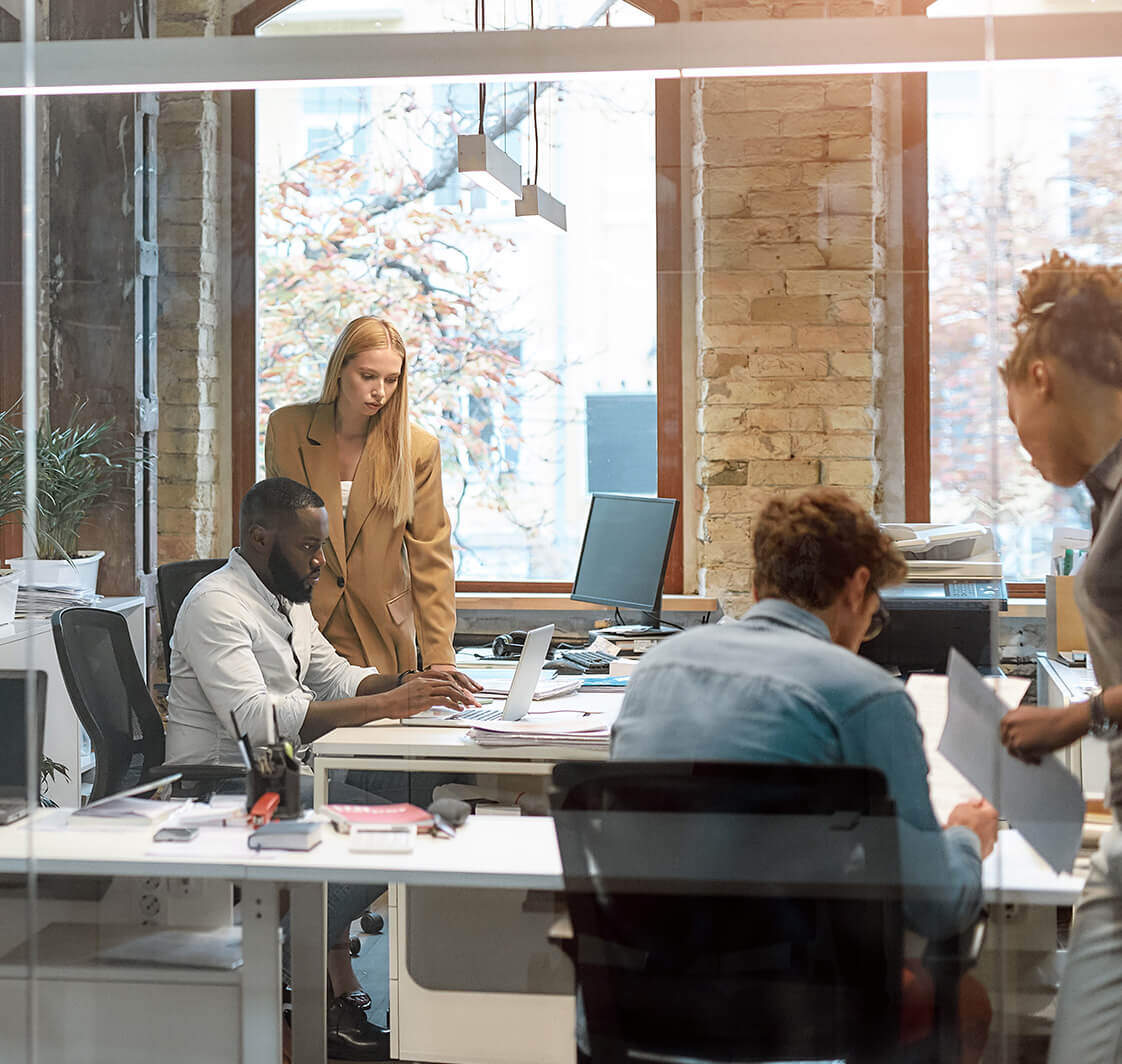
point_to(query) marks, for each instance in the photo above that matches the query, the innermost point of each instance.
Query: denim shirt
(774, 687)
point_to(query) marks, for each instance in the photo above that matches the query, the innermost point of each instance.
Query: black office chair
(173, 581)
(112, 701)
(732, 911)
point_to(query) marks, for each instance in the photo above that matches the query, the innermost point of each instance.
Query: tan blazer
(385, 586)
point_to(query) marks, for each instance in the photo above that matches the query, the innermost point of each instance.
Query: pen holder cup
(272, 771)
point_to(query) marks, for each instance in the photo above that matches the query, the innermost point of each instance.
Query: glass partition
(770, 279)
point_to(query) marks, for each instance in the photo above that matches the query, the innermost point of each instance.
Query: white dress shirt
(239, 649)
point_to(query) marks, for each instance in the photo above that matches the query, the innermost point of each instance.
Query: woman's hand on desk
(422, 691)
(981, 818)
(1030, 732)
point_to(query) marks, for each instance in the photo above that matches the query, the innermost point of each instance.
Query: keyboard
(592, 660)
(480, 714)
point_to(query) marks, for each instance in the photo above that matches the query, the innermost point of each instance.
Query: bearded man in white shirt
(246, 649)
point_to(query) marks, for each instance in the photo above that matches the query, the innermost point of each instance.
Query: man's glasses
(878, 623)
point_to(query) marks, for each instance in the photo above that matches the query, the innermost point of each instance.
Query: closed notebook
(123, 812)
(348, 817)
(288, 835)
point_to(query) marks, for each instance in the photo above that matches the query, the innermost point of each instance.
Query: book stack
(379, 828)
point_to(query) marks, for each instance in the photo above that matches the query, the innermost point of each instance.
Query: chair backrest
(173, 581)
(109, 694)
(732, 911)
(14, 750)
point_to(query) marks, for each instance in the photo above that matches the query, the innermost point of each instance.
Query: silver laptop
(522, 687)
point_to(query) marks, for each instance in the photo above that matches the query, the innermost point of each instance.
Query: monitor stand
(636, 631)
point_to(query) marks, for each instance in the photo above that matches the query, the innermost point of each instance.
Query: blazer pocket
(401, 607)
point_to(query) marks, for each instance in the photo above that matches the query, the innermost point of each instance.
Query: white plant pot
(81, 572)
(9, 588)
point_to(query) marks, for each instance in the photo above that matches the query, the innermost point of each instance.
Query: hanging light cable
(479, 157)
(535, 201)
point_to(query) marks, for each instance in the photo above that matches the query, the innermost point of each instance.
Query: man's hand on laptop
(424, 690)
(465, 681)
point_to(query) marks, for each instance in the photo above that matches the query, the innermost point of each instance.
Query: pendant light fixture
(479, 157)
(535, 201)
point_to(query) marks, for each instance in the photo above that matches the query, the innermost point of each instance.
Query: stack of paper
(38, 600)
(497, 682)
(562, 730)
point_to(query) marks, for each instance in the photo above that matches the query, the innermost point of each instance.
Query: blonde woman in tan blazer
(389, 582)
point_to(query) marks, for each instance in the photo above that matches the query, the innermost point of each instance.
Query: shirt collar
(780, 611)
(1106, 477)
(245, 573)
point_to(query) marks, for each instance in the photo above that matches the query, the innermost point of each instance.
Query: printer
(952, 598)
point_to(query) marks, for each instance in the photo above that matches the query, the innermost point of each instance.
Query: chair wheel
(371, 923)
(355, 945)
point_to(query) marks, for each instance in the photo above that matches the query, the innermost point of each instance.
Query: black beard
(287, 582)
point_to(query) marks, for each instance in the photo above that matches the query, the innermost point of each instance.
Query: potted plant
(47, 771)
(77, 465)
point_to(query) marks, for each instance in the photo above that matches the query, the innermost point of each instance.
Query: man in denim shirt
(785, 684)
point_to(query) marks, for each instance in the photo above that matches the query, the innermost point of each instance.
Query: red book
(348, 818)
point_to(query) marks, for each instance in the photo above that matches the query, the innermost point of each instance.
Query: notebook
(522, 687)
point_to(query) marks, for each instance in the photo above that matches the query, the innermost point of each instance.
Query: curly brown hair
(807, 547)
(1072, 311)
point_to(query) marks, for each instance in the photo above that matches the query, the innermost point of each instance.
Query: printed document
(1043, 802)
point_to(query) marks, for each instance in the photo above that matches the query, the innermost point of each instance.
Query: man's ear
(261, 538)
(857, 587)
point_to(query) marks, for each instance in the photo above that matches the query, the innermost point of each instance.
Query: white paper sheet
(1044, 802)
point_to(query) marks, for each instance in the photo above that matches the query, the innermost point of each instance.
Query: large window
(539, 387)
(1020, 160)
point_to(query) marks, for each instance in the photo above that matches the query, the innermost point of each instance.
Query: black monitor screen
(626, 545)
(13, 722)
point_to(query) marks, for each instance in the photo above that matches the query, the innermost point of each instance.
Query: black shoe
(351, 1036)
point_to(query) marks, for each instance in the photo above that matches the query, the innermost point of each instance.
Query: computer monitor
(624, 554)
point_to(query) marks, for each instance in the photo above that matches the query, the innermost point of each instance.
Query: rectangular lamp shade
(489, 166)
(537, 203)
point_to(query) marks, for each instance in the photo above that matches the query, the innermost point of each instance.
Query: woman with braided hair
(1064, 384)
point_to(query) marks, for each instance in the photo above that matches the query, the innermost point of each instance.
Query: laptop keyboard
(480, 714)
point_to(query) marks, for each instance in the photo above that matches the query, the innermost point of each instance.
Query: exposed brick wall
(190, 374)
(789, 217)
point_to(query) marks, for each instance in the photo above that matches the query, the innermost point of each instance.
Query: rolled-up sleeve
(330, 675)
(941, 870)
(217, 644)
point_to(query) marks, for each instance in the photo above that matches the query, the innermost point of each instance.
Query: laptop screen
(13, 726)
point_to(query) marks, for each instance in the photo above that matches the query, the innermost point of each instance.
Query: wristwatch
(1102, 727)
(401, 675)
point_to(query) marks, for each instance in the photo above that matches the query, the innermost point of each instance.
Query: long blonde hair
(388, 439)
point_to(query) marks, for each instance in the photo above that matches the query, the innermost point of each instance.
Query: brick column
(190, 495)
(789, 220)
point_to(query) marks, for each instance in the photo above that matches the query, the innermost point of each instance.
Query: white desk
(491, 853)
(399, 747)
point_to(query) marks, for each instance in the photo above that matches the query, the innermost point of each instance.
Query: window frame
(668, 267)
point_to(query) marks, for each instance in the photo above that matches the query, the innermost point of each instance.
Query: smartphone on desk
(175, 834)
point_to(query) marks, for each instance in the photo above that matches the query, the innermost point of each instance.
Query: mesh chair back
(732, 911)
(173, 581)
(109, 694)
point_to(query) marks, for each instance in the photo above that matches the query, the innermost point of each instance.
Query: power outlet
(148, 901)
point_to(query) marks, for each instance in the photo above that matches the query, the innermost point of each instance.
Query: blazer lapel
(321, 470)
(361, 501)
